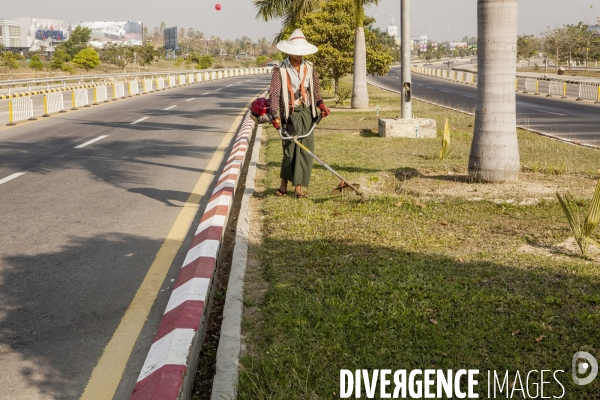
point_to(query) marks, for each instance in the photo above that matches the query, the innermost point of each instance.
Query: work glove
(276, 122)
(324, 110)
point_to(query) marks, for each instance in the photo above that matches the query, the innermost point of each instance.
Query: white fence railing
(589, 91)
(20, 109)
(100, 94)
(147, 83)
(79, 98)
(118, 91)
(134, 88)
(557, 89)
(53, 103)
(530, 85)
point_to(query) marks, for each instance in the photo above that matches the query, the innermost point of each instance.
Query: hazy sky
(438, 19)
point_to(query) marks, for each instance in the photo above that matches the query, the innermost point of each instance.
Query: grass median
(433, 271)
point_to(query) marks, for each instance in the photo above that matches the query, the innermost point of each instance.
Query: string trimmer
(345, 185)
(260, 113)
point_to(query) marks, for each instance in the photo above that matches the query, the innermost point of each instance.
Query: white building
(29, 34)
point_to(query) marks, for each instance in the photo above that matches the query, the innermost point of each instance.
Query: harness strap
(302, 89)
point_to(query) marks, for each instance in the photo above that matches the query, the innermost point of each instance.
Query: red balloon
(218, 7)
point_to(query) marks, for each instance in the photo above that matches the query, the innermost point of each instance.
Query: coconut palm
(494, 153)
(291, 11)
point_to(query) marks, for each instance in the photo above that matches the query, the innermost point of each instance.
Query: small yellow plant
(445, 141)
(582, 229)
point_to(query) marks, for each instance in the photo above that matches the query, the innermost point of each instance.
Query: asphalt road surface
(567, 119)
(87, 200)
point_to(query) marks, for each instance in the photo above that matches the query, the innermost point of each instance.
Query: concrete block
(419, 128)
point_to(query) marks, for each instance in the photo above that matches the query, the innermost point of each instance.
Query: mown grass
(404, 282)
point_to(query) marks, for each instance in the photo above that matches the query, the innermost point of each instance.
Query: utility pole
(406, 48)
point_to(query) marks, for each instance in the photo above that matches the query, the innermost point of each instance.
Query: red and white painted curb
(173, 354)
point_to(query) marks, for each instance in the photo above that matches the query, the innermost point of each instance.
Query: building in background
(32, 34)
(171, 41)
(458, 45)
(125, 32)
(419, 43)
(10, 34)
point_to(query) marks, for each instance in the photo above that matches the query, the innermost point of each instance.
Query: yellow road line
(107, 374)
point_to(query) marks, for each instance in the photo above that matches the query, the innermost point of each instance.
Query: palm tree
(494, 153)
(291, 11)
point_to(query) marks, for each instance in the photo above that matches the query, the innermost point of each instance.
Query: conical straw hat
(297, 45)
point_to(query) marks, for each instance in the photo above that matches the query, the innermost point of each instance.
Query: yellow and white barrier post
(20, 109)
(11, 120)
(564, 96)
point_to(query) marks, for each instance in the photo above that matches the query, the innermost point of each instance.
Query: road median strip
(171, 361)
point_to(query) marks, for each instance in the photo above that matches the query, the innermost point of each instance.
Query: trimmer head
(345, 188)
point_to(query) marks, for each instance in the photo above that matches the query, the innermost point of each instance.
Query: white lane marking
(193, 98)
(203, 94)
(548, 112)
(168, 108)
(446, 91)
(468, 95)
(216, 90)
(11, 177)
(139, 120)
(91, 141)
(229, 85)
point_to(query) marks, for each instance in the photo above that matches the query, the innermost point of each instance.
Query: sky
(440, 20)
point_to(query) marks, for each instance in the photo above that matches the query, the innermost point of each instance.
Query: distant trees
(77, 41)
(87, 59)
(202, 62)
(11, 60)
(527, 47)
(332, 30)
(122, 55)
(36, 63)
(570, 43)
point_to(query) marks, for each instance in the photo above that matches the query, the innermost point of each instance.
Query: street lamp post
(406, 60)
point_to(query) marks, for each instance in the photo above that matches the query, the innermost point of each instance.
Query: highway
(87, 201)
(567, 119)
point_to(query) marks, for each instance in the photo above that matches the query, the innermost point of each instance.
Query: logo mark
(590, 365)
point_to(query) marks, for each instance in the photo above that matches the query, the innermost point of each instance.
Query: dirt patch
(531, 188)
(568, 248)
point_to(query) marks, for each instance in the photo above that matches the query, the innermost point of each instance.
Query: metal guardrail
(100, 78)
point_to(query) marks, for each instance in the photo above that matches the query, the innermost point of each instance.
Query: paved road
(87, 199)
(563, 118)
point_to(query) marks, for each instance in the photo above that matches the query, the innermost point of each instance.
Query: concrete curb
(228, 354)
(168, 371)
(549, 136)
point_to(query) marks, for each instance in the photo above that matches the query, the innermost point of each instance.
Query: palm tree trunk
(360, 95)
(494, 153)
